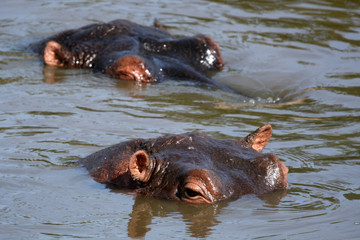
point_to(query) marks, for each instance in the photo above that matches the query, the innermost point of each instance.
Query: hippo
(191, 167)
(129, 51)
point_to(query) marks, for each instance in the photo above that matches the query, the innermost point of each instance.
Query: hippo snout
(276, 173)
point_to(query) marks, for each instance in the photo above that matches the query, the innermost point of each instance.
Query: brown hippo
(191, 167)
(126, 50)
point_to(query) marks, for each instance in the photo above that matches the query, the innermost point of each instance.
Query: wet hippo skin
(126, 50)
(191, 167)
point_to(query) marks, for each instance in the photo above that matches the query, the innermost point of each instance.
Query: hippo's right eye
(193, 192)
(189, 193)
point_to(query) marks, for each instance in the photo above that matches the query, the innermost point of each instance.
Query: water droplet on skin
(210, 58)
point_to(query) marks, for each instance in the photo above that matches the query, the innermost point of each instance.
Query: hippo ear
(141, 166)
(54, 54)
(260, 137)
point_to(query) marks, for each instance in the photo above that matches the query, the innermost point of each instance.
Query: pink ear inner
(140, 166)
(259, 138)
(53, 54)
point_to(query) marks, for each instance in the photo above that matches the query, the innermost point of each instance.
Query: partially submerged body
(126, 50)
(191, 167)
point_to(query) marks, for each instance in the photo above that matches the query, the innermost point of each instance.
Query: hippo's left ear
(259, 138)
(55, 54)
(141, 166)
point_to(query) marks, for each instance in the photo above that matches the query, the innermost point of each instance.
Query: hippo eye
(192, 191)
(189, 193)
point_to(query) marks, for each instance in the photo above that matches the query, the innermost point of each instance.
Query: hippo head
(191, 167)
(146, 61)
(128, 51)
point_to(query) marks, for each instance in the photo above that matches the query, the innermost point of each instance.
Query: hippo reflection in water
(191, 167)
(129, 51)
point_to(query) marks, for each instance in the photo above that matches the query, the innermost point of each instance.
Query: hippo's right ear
(141, 166)
(259, 138)
(54, 54)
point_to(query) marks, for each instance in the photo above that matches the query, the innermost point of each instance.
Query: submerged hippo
(126, 50)
(191, 167)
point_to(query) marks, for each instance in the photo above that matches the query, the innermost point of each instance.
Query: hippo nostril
(283, 172)
(284, 168)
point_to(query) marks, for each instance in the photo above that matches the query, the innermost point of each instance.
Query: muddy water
(298, 60)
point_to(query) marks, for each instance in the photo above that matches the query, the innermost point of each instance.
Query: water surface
(298, 60)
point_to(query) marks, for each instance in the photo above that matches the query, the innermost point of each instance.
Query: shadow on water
(200, 220)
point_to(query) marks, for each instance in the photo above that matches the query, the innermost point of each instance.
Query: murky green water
(303, 55)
